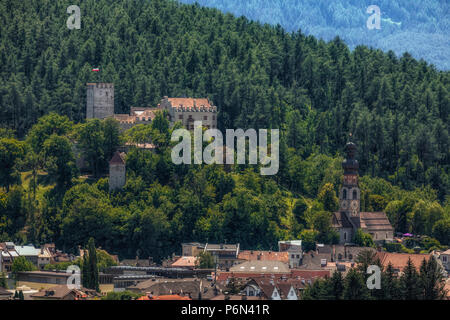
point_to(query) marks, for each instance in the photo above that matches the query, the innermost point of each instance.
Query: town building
(225, 255)
(349, 218)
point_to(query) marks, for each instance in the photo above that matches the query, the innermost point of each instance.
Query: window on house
(345, 235)
(205, 117)
(444, 258)
(350, 256)
(180, 116)
(214, 117)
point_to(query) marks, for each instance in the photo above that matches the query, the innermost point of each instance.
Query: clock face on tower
(354, 205)
(344, 204)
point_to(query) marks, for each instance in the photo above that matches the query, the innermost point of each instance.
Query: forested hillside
(418, 27)
(259, 76)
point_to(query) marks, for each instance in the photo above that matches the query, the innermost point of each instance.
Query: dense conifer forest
(418, 27)
(259, 76)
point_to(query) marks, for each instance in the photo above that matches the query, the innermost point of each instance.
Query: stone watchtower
(100, 100)
(117, 172)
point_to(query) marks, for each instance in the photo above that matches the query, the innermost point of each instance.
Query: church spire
(350, 164)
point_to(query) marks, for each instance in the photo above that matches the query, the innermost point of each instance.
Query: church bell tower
(349, 196)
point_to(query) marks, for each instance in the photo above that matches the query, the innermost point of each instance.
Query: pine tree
(354, 286)
(3, 282)
(431, 280)
(409, 282)
(85, 271)
(389, 284)
(92, 263)
(337, 283)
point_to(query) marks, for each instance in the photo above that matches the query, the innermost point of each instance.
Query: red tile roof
(165, 297)
(189, 102)
(117, 159)
(400, 260)
(185, 261)
(264, 255)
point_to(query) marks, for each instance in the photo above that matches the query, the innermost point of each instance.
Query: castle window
(214, 117)
(205, 117)
(180, 116)
(355, 194)
(344, 194)
(345, 235)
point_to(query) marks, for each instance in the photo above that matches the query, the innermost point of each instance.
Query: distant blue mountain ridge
(421, 28)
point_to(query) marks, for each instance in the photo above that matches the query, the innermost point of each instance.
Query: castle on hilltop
(100, 105)
(349, 218)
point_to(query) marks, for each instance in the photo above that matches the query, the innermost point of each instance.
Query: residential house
(63, 292)
(444, 257)
(226, 255)
(294, 250)
(273, 289)
(192, 249)
(7, 255)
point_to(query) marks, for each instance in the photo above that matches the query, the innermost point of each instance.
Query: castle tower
(117, 172)
(100, 100)
(350, 194)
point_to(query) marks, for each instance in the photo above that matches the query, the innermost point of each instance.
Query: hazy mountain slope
(419, 27)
